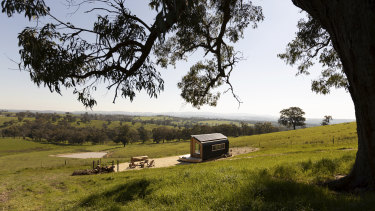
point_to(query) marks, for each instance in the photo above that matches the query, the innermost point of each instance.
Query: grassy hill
(283, 175)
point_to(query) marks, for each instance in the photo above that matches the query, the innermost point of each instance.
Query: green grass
(99, 124)
(218, 122)
(303, 139)
(4, 119)
(18, 154)
(13, 146)
(93, 123)
(283, 175)
(13, 119)
(152, 150)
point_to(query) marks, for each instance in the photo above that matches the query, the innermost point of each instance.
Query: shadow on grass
(269, 193)
(132, 190)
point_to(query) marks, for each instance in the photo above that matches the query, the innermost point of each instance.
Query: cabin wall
(208, 153)
(192, 148)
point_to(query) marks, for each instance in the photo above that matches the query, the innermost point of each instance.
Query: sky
(264, 82)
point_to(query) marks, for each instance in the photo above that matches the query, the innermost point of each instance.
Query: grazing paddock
(284, 174)
(83, 155)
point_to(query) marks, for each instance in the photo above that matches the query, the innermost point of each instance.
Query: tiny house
(208, 146)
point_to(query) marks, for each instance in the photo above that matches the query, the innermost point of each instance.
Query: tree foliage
(122, 135)
(292, 117)
(60, 54)
(326, 120)
(144, 134)
(71, 129)
(313, 43)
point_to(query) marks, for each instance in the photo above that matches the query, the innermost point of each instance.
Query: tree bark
(351, 25)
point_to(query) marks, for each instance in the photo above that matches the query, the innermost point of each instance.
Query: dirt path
(159, 163)
(242, 150)
(281, 154)
(173, 160)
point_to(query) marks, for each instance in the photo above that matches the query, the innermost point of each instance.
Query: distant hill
(226, 116)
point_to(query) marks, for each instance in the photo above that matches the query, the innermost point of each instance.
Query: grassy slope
(18, 154)
(282, 175)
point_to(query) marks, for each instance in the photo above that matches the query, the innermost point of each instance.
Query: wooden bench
(151, 164)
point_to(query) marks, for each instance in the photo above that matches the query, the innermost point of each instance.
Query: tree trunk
(351, 25)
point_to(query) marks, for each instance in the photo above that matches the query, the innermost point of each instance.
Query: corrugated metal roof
(209, 137)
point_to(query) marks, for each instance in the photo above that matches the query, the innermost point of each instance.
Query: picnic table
(140, 161)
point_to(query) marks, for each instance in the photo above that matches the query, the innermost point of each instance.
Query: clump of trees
(59, 132)
(125, 134)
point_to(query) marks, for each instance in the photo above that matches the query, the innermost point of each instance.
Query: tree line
(86, 118)
(63, 131)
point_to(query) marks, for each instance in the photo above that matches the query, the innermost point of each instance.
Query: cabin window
(217, 147)
(197, 148)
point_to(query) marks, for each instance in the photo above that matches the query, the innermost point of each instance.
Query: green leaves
(209, 25)
(49, 63)
(196, 85)
(59, 54)
(31, 8)
(292, 117)
(85, 97)
(313, 44)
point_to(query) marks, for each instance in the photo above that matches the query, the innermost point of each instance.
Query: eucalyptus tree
(340, 35)
(123, 134)
(326, 120)
(144, 134)
(60, 54)
(292, 117)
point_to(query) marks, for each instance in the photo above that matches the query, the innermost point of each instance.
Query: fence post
(65, 162)
(93, 164)
(117, 166)
(333, 140)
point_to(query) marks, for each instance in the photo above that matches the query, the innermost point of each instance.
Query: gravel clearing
(173, 160)
(159, 162)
